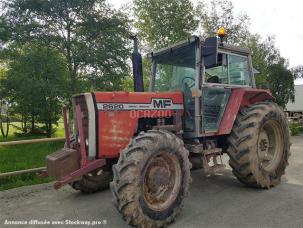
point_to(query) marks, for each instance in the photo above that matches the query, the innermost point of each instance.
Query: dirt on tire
(129, 178)
(261, 120)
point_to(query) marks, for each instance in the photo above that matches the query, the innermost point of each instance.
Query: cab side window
(231, 69)
(218, 74)
(238, 70)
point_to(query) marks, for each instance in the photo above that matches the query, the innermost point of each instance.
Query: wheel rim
(270, 145)
(162, 181)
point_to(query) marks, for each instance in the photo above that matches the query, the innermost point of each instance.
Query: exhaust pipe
(137, 67)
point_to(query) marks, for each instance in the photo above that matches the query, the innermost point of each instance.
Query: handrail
(30, 141)
(14, 173)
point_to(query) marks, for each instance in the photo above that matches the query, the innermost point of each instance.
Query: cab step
(211, 156)
(208, 156)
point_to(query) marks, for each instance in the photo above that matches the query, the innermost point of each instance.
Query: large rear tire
(151, 179)
(259, 145)
(94, 181)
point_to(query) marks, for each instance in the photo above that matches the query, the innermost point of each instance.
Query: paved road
(217, 201)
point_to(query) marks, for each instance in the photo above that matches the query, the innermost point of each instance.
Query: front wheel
(151, 179)
(259, 145)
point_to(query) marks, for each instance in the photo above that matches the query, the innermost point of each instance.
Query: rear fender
(241, 98)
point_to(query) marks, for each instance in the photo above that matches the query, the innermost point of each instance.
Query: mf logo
(162, 103)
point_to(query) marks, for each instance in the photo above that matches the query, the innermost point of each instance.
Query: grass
(296, 128)
(14, 133)
(20, 157)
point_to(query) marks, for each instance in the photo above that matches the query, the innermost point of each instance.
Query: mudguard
(240, 98)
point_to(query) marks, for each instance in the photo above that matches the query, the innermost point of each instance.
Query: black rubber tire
(127, 183)
(243, 145)
(95, 183)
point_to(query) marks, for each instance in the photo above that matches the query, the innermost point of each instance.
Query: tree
(92, 37)
(221, 13)
(281, 82)
(164, 22)
(4, 30)
(36, 80)
(264, 54)
(297, 71)
(4, 112)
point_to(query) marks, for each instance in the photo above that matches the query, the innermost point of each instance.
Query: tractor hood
(111, 119)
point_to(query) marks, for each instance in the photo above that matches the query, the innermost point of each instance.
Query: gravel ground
(216, 201)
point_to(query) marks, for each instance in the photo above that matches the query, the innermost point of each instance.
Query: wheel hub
(263, 142)
(161, 181)
(270, 145)
(158, 176)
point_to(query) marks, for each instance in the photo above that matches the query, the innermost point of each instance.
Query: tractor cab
(206, 72)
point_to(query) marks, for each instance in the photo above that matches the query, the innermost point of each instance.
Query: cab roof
(225, 47)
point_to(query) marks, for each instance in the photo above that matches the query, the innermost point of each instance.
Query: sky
(280, 18)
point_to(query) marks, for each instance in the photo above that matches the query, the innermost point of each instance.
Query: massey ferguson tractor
(202, 102)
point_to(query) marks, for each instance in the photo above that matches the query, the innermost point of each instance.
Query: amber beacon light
(221, 33)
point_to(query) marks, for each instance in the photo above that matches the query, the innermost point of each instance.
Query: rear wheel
(94, 181)
(151, 179)
(259, 145)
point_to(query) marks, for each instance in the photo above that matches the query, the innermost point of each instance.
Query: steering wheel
(189, 81)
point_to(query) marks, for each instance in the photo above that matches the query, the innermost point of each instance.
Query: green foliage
(147, 65)
(297, 71)
(164, 22)
(4, 105)
(281, 82)
(92, 37)
(36, 83)
(264, 54)
(5, 32)
(295, 128)
(128, 82)
(221, 13)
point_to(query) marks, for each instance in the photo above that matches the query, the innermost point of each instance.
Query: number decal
(113, 106)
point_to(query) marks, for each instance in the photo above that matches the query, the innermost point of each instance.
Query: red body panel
(116, 127)
(240, 98)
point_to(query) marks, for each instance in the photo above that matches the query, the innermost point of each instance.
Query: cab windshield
(175, 70)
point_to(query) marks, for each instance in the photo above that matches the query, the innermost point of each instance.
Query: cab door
(231, 71)
(214, 101)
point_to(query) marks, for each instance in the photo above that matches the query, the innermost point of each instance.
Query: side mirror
(210, 52)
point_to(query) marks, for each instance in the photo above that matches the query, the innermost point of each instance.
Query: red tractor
(202, 102)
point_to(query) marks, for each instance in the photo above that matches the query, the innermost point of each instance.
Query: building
(298, 104)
